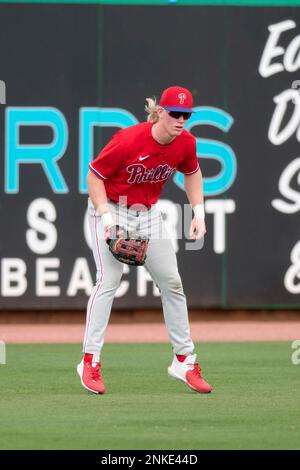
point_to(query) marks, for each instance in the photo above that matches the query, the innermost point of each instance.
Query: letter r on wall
(44, 154)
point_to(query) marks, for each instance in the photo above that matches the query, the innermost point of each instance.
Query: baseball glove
(126, 250)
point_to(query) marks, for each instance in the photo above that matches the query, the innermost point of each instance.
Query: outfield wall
(72, 74)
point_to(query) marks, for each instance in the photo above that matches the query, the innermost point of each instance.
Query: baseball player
(124, 183)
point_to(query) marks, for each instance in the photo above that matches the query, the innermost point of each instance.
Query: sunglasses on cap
(178, 114)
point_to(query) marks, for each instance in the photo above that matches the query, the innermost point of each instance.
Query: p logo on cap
(182, 97)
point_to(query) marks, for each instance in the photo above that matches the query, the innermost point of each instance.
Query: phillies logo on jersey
(140, 174)
(182, 98)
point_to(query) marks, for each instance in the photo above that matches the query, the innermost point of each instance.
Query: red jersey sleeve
(110, 159)
(189, 164)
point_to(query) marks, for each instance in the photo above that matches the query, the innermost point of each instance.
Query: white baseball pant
(161, 263)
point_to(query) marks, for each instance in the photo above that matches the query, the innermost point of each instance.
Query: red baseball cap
(177, 98)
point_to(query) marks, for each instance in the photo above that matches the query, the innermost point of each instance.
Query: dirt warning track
(153, 332)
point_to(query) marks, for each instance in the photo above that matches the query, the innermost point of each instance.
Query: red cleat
(89, 373)
(189, 372)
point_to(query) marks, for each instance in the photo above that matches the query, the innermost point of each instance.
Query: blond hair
(151, 108)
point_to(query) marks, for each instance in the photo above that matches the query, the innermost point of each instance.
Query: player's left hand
(197, 228)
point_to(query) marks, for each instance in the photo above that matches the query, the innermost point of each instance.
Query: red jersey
(134, 165)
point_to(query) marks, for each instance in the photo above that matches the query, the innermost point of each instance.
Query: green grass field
(254, 405)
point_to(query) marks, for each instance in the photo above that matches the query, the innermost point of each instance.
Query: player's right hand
(114, 231)
(108, 232)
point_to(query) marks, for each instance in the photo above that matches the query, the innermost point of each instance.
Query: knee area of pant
(172, 283)
(110, 281)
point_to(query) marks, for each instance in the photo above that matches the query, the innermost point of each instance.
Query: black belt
(136, 207)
